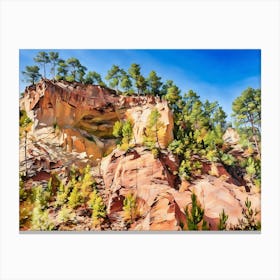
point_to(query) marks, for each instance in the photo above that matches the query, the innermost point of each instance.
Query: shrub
(40, 219)
(129, 208)
(223, 219)
(62, 195)
(98, 208)
(75, 198)
(65, 215)
(194, 215)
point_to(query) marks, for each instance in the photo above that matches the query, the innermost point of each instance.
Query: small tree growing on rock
(129, 208)
(195, 214)
(98, 208)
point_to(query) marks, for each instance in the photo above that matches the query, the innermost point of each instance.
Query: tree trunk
(254, 136)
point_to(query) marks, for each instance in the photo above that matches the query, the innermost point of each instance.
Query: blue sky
(216, 75)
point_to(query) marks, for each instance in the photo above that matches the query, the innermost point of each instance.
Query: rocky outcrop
(161, 206)
(73, 123)
(139, 116)
(85, 114)
(231, 136)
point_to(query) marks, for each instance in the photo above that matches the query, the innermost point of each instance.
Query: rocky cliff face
(85, 115)
(72, 123)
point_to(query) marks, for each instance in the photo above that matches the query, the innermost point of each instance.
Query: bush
(75, 198)
(98, 208)
(223, 219)
(194, 215)
(40, 219)
(65, 215)
(129, 208)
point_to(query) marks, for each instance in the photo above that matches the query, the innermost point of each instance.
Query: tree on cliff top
(154, 83)
(114, 77)
(43, 59)
(77, 70)
(139, 80)
(54, 59)
(93, 77)
(31, 74)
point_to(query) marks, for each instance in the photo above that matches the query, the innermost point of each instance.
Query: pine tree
(152, 130)
(32, 74)
(130, 208)
(195, 214)
(43, 59)
(139, 81)
(126, 82)
(114, 76)
(98, 208)
(54, 59)
(222, 221)
(247, 111)
(93, 77)
(153, 83)
(62, 70)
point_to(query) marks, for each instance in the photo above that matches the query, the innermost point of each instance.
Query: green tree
(130, 208)
(62, 70)
(31, 74)
(247, 111)
(126, 82)
(223, 220)
(114, 76)
(139, 81)
(194, 214)
(98, 208)
(117, 129)
(42, 59)
(152, 130)
(93, 77)
(171, 93)
(77, 70)
(153, 83)
(54, 59)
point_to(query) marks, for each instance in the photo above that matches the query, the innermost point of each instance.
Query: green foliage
(93, 77)
(24, 120)
(228, 159)
(248, 222)
(126, 82)
(41, 219)
(223, 219)
(65, 215)
(153, 83)
(189, 167)
(247, 112)
(62, 195)
(151, 138)
(139, 81)
(177, 147)
(77, 71)
(75, 198)
(194, 214)
(40, 215)
(114, 76)
(43, 59)
(124, 131)
(54, 59)
(172, 93)
(130, 208)
(98, 208)
(117, 129)
(31, 74)
(62, 70)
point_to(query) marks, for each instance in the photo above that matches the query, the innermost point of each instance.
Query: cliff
(72, 123)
